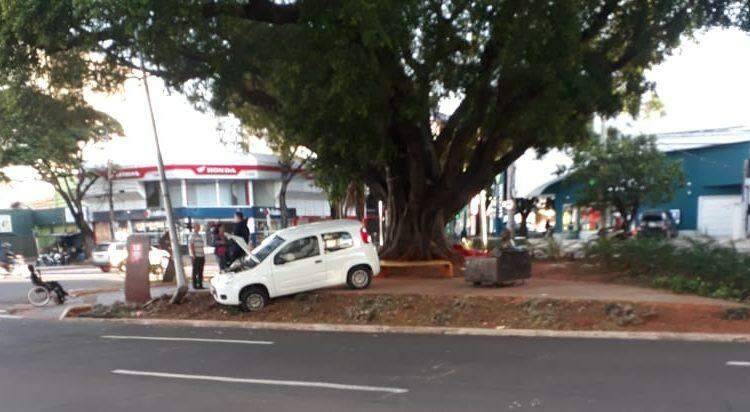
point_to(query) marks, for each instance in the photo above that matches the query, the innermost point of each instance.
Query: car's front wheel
(105, 268)
(253, 299)
(359, 277)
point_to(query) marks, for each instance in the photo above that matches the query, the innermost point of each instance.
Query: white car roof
(318, 227)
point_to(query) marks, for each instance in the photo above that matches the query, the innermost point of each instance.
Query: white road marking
(166, 338)
(326, 385)
(3, 316)
(738, 363)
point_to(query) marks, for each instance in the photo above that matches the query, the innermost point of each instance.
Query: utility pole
(498, 204)
(176, 254)
(509, 183)
(111, 201)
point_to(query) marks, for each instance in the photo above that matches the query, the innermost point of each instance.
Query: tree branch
(599, 21)
(265, 11)
(89, 183)
(636, 49)
(260, 98)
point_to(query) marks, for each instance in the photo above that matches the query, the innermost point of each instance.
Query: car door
(337, 251)
(299, 266)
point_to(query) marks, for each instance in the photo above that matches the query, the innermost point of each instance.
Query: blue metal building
(714, 200)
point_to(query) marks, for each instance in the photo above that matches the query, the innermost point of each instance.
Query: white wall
(265, 192)
(127, 194)
(306, 198)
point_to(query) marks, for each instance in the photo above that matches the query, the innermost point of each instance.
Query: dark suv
(657, 222)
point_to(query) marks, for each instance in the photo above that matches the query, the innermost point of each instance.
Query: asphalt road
(54, 366)
(13, 289)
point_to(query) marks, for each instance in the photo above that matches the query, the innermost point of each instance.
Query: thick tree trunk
(335, 209)
(523, 229)
(416, 227)
(282, 204)
(418, 235)
(86, 233)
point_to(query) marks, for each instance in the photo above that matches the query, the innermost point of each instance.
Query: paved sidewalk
(537, 288)
(541, 287)
(533, 288)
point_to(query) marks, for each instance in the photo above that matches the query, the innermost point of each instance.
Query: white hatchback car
(113, 255)
(298, 259)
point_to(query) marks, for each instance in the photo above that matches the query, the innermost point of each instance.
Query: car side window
(337, 241)
(298, 249)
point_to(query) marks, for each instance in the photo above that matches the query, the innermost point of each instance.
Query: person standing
(166, 244)
(240, 230)
(197, 255)
(220, 247)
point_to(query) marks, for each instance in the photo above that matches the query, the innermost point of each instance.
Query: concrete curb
(74, 309)
(424, 330)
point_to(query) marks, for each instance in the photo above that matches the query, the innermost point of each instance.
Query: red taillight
(365, 236)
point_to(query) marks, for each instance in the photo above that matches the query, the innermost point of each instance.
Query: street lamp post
(110, 198)
(176, 254)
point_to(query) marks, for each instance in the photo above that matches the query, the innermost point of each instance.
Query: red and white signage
(129, 174)
(216, 170)
(197, 170)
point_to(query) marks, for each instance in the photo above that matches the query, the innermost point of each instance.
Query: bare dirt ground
(560, 296)
(468, 311)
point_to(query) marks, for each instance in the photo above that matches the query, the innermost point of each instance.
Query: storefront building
(202, 193)
(29, 232)
(713, 202)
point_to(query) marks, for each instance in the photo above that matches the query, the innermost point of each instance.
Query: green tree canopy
(50, 134)
(362, 83)
(624, 173)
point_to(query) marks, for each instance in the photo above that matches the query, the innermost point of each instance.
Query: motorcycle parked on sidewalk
(7, 260)
(45, 259)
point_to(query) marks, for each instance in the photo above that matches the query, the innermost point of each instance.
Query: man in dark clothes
(241, 230)
(52, 286)
(166, 244)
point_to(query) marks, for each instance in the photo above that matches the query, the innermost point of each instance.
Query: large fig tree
(423, 100)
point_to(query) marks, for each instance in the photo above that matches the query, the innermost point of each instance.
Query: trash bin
(506, 267)
(137, 286)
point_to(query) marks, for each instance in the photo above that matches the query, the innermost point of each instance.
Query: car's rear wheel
(253, 299)
(359, 277)
(105, 268)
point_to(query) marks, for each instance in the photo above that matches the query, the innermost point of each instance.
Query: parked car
(659, 223)
(109, 255)
(298, 259)
(115, 254)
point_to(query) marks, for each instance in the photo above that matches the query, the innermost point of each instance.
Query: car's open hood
(240, 242)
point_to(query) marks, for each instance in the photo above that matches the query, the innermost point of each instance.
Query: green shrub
(700, 266)
(553, 248)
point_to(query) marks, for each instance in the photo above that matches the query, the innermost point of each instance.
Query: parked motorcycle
(7, 259)
(45, 259)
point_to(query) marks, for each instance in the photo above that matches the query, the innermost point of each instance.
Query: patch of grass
(700, 266)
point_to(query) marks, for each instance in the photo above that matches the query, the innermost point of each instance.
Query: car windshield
(102, 247)
(652, 218)
(266, 247)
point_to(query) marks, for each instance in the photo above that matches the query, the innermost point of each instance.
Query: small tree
(50, 134)
(624, 173)
(291, 165)
(293, 159)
